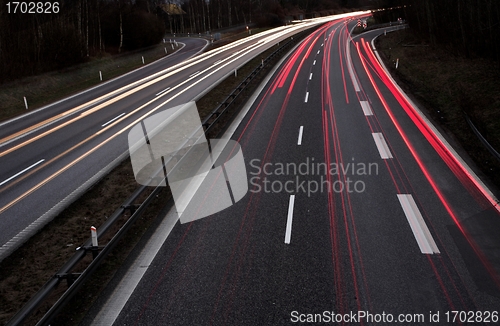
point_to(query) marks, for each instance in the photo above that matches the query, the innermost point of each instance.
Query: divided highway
(52, 155)
(357, 212)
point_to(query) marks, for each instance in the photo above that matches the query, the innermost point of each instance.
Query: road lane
(22, 202)
(345, 250)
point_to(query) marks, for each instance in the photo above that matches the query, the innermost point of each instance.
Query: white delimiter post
(93, 233)
(25, 103)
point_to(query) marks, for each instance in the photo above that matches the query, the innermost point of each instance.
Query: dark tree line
(469, 27)
(207, 15)
(35, 43)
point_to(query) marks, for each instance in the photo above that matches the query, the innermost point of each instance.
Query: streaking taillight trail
(461, 172)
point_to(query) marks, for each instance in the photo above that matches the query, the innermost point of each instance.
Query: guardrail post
(69, 277)
(95, 245)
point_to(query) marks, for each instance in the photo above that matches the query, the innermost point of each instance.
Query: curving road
(51, 156)
(359, 211)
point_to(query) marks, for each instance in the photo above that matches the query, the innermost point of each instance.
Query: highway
(358, 211)
(50, 156)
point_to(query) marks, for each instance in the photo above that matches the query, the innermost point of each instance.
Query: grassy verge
(26, 270)
(447, 85)
(48, 88)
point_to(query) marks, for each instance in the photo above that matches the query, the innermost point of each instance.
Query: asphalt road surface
(357, 212)
(51, 156)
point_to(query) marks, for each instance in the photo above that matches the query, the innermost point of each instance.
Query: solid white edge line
(366, 108)
(382, 147)
(288, 232)
(23, 171)
(450, 148)
(163, 91)
(301, 130)
(112, 120)
(116, 301)
(123, 290)
(307, 97)
(420, 230)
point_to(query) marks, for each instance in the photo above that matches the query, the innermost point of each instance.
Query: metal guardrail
(485, 142)
(76, 280)
(65, 271)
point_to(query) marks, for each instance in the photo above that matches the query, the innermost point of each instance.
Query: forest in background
(31, 44)
(470, 28)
